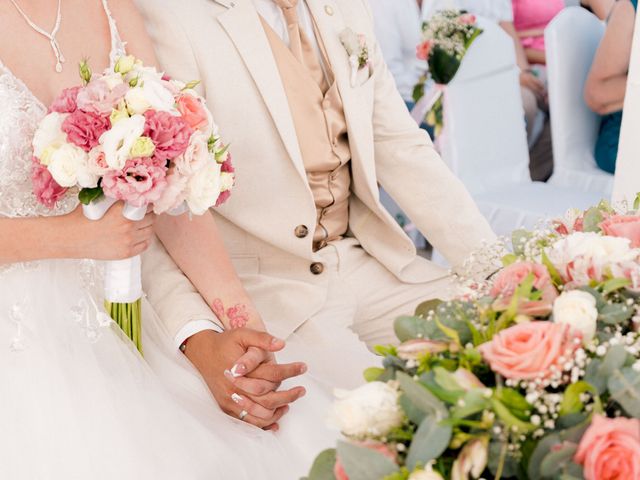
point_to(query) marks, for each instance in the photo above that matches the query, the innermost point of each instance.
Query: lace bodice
(20, 113)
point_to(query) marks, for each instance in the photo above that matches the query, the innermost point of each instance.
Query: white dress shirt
(274, 17)
(495, 10)
(398, 31)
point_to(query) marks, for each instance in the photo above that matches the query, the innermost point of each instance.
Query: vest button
(328, 9)
(301, 231)
(316, 268)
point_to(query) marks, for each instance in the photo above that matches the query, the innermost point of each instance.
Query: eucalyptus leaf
(322, 468)
(362, 463)
(551, 441)
(412, 327)
(592, 220)
(614, 360)
(519, 238)
(473, 402)
(615, 313)
(413, 413)
(624, 387)
(425, 307)
(429, 442)
(556, 460)
(615, 284)
(509, 467)
(428, 379)
(593, 376)
(422, 398)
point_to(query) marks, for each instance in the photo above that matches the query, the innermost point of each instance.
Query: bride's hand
(113, 237)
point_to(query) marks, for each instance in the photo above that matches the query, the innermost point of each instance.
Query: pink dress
(533, 15)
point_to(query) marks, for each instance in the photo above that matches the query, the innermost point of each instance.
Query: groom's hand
(239, 368)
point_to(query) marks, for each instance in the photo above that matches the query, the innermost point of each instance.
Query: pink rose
(338, 469)
(467, 19)
(169, 134)
(66, 101)
(84, 129)
(510, 278)
(45, 188)
(528, 351)
(141, 182)
(626, 226)
(414, 349)
(424, 49)
(193, 112)
(610, 449)
(97, 98)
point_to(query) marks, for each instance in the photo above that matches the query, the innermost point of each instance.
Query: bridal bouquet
(446, 38)
(134, 135)
(534, 374)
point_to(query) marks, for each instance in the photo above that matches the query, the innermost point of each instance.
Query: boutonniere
(358, 51)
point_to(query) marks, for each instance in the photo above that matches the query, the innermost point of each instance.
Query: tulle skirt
(77, 401)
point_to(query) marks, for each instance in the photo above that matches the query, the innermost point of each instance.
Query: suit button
(301, 231)
(317, 268)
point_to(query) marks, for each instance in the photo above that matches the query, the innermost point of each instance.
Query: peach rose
(509, 279)
(424, 49)
(610, 449)
(528, 351)
(338, 469)
(626, 226)
(193, 112)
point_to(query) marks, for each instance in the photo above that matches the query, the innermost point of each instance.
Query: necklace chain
(55, 46)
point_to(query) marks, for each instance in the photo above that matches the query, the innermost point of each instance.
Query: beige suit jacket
(223, 44)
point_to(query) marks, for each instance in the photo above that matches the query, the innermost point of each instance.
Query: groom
(315, 123)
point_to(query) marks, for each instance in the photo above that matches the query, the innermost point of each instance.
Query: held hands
(111, 238)
(533, 83)
(241, 372)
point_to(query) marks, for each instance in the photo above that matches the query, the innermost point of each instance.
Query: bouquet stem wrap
(122, 278)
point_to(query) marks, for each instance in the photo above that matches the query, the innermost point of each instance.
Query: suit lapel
(242, 24)
(331, 23)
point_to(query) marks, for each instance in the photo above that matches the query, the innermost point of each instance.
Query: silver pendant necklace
(55, 46)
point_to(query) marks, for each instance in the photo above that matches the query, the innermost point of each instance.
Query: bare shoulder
(622, 13)
(132, 29)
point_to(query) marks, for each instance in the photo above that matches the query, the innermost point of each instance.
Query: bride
(77, 401)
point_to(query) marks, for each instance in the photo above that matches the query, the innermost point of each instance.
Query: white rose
(117, 141)
(578, 310)
(203, 189)
(195, 157)
(427, 474)
(67, 163)
(49, 132)
(136, 100)
(370, 411)
(155, 92)
(226, 181)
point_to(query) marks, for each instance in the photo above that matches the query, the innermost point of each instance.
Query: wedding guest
(607, 81)
(530, 18)
(600, 8)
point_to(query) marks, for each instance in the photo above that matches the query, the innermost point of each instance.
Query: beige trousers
(363, 301)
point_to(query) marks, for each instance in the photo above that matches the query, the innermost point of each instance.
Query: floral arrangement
(358, 50)
(446, 37)
(532, 374)
(135, 135)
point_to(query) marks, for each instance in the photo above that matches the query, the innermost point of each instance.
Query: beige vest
(321, 129)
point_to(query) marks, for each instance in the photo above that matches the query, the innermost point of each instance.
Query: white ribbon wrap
(122, 278)
(426, 103)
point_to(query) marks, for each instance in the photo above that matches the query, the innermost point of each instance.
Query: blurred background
(523, 98)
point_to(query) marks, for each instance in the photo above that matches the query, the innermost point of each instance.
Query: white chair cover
(627, 179)
(572, 39)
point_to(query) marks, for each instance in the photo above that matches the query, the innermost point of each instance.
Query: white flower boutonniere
(358, 51)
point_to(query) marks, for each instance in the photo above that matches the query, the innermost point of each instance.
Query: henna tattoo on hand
(236, 316)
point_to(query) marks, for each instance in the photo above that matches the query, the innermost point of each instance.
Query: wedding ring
(243, 414)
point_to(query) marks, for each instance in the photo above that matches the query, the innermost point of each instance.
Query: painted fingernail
(303, 368)
(302, 393)
(238, 370)
(228, 374)
(236, 398)
(275, 340)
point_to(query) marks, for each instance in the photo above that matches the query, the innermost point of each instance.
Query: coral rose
(84, 129)
(193, 112)
(169, 133)
(610, 449)
(424, 49)
(528, 351)
(509, 279)
(625, 226)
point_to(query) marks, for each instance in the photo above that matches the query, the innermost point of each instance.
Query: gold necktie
(299, 43)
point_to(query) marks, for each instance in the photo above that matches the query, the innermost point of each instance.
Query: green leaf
(429, 306)
(509, 419)
(428, 379)
(519, 238)
(636, 202)
(473, 402)
(514, 401)
(88, 195)
(449, 332)
(509, 259)
(556, 460)
(615, 284)
(592, 220)
(553, 272)
(322, 468)
(362, 463)
(429, 442)
(551, 442)
(409, 328)
(624, 386)
(571, 402)
(446, 380)
(614, 360)
(372, 374)
(422, 398)
(615, 313)
(191, 85)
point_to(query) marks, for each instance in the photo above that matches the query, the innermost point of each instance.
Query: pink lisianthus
(193, 112)
(424, 49)
(508, 280)
(227, 166)
(610, 449)
(626, 226)
(141, 182)
(173, 195)
(222, 198)
(467, 19)
(338, 469)
(45, 188)
(528, 351)
(97, 98)
(170, 134)
(84, 129)
(66, 101)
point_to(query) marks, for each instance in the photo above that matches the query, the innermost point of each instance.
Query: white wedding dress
(77, 401)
